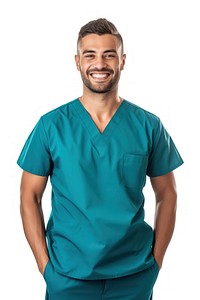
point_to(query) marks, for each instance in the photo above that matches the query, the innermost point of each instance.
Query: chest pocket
(134, 170)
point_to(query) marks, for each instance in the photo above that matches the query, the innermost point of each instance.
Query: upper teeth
(99, 75)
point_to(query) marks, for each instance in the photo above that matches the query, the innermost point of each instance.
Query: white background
(162, 74)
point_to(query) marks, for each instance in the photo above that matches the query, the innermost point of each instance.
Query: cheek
(84, 68)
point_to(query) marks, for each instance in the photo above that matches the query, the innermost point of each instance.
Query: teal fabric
(96, 229)
(138, 286)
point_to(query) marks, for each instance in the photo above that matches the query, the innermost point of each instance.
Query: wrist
(42, 265)
(159, 262)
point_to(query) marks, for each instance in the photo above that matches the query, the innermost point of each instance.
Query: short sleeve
(35, 156)
(164, 156)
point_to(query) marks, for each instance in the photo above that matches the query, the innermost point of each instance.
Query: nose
(100, 62)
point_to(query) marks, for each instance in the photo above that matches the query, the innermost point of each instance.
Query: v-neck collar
(98, 138)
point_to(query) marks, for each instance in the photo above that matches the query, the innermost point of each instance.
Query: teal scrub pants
(138, 286)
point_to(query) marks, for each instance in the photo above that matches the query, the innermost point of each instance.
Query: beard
(100, 87)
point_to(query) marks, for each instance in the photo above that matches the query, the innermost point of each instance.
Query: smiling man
(100, 60)
(97, 151)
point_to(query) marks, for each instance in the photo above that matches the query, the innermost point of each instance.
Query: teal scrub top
(96, 229)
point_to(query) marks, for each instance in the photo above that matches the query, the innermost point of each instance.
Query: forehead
(98, 43)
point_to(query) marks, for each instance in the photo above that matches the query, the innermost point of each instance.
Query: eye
(89, 56)
(110, 55)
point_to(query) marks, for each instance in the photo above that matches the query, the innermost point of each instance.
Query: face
(100, 61)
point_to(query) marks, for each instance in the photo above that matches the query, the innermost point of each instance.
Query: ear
(123, 62)
(77, 62)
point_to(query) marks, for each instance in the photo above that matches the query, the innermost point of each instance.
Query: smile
(100, 75)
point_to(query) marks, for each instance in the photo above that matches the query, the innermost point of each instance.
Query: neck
(100, 104)
(101, 107)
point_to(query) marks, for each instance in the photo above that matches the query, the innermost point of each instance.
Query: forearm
(165, 217)
(33, 223)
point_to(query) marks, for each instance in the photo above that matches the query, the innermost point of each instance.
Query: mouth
(100, 75)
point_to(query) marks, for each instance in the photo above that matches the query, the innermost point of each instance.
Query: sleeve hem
(34, 172)
(164, 172)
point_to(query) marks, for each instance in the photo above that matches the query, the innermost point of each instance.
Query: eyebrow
(93, 51)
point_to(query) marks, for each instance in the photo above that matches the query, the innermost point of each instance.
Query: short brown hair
(100, 26)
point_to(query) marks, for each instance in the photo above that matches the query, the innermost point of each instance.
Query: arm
(31, 191)
(165, 192)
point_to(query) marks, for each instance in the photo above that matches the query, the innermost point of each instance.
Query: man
(97, 151)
